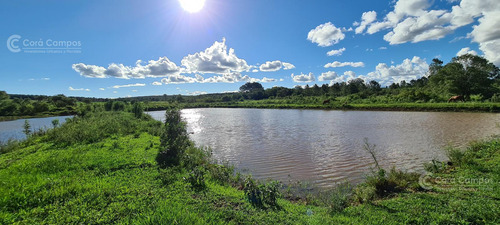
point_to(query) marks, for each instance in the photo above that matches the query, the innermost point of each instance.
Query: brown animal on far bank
(457, 98)
(326, 102)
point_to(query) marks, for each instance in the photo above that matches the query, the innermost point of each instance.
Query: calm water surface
(14, 129)
(325, 147)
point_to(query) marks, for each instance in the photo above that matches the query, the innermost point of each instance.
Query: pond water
(326, 147)
(14, 129)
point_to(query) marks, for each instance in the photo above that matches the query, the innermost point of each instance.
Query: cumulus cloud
(232, 77)
(155, 68)
(342, 64)
(288, 66)
(197, 93)
(275, 66)
(347, 76)
(413, 21)
(156, 83)
(336, 52)
(215, 59)
(409, 69)
(467, 50)
(366, 18)
(325, 35)
(326, 76)
(78, 89)
(303, 78)
(129, 85)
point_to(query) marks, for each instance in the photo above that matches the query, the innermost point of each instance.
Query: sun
(192, 6)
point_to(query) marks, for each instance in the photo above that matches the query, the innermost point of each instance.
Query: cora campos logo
(17, 44)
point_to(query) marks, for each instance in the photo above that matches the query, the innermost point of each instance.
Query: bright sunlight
(192, 6)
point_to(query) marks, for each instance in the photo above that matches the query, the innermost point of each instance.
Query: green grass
(339, 104)
(115, 179)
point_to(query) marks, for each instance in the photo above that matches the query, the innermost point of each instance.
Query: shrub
(174, 139)
(9, 146)
(339, 198)
(98, 126)
(197, 179)
(455, 155)
(262, 195)
(137, 109)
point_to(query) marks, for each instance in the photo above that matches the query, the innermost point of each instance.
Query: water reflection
(325, 147)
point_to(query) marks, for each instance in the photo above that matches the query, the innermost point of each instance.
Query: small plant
(55, 123)
(9, 146)
(27, 128)
(456, 156)
(197, 179)
(339, 198)
(262, 195)
(434, 166)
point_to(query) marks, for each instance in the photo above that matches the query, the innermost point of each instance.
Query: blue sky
(92, 48)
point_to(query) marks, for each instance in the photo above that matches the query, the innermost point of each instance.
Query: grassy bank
(104, 168)
(338, 105)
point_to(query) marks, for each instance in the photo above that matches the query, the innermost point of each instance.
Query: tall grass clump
(381, 183)
(96, 126)
(262, 196)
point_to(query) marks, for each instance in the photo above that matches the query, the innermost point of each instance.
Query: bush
(174, 139)
(262, 195)
(9, 146)
(100, 125)
(339, 198)
(456, 156)
(197, 179)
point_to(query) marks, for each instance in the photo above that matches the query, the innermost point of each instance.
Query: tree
(251, 87)
(435, 66)
(174, 139)
(3, 95)
(137, 109)
(467, 75)
(27, 127)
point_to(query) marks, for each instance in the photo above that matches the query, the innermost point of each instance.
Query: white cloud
(342, 64)
(467, 50)
(487, 35)
(232, 77)
(197, 93)
(271, 66)
(129, 85)
(102, 89)
(155, 68)
(156, 83)
(288, 66)
(178, 79)
(325, 35)
(255, 71)
(303, 78)
(382, 48)
(134, 90)
(78, 89)
(412, 21)
(215, 59)
(330, 75)
(366, 18)
(348, 75)
(409, 69)
(336, 52)
(275, 66)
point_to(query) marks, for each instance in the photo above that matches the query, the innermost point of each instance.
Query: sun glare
(192, 6)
